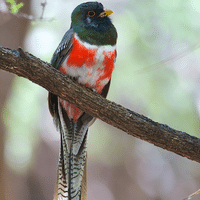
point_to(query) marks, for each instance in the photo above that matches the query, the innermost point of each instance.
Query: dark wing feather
(63, 49)
(105, 89)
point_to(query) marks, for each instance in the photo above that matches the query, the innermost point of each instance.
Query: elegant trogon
(86, 53)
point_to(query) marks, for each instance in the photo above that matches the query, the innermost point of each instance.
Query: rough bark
(43, 74)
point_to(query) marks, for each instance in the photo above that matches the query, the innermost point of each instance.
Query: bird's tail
(71, 177)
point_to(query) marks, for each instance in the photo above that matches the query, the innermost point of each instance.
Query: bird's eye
(91, 13)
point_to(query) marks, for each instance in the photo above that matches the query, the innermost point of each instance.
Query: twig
(43, 8)
(31, 17)
(192, 195)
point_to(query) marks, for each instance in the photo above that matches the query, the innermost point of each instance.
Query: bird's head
(92, 23)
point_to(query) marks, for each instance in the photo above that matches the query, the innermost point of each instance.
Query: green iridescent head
(93, 25)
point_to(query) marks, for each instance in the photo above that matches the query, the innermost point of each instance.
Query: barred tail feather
(84, 183)
(61, 189)
(72, 160)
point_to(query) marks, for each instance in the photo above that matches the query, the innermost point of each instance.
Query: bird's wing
(63, 49)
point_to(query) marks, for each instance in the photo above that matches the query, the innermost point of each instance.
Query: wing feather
(63, 49)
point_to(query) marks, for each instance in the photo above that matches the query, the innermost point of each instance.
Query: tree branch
(26, 65)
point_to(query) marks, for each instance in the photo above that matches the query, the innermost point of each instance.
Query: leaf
(14, 7)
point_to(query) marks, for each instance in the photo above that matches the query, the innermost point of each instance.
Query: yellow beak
(106, 13)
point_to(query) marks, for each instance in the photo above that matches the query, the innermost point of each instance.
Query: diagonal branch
(43, 74)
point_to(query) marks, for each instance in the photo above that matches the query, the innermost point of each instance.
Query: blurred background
(119, 166)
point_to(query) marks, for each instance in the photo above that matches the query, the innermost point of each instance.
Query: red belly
(72, 111)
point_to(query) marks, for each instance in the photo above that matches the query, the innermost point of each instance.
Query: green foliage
(14, 7)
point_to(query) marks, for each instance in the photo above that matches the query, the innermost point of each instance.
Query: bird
(86, 53)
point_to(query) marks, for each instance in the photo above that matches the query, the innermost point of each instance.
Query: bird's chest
(91, 65)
